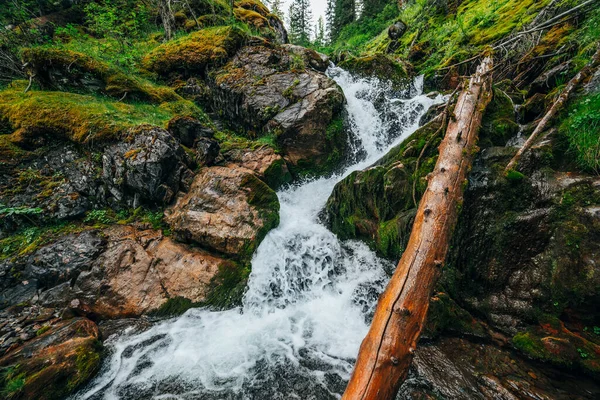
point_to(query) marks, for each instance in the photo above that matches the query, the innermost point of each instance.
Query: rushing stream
(308, 301)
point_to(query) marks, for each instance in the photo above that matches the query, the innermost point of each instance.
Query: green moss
(277, 174)
(228, 286)
(11, 381)
(514, 176)
(80, 118)
(87, 364)
(447, 317)
(381, 66)
(376, 205)
(78, 67)
(529, 344)
(42, 330)
(27, 240)
(195, 52)
(498, 124)
(266, 202)
(581, 128)
(173, 307)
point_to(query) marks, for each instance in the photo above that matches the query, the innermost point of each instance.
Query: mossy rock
(79, 118)
(53, 365)
(378, 65)
(552, 342)
(227, 288)
(67, 70)
(446, 317)
(194, 53)
(499, 124)
(376, 205)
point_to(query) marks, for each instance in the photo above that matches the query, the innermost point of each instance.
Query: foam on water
(308, 301)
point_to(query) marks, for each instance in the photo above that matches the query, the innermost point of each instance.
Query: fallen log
(387, 350)
(585, 73)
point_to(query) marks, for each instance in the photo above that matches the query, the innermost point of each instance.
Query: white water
(308, 300)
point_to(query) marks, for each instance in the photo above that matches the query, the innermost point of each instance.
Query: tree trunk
(167, 17)
(387, 351)
(586, 72)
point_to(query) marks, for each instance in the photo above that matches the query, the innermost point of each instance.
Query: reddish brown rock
(54, 364)
(268, 165)
(140, 271)
(227, 210)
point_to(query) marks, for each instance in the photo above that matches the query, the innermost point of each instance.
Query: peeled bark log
(585, 73)
(387, 351)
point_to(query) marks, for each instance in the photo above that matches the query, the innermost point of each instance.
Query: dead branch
(585, 72)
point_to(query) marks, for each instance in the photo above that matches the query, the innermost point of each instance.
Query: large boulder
(227, 210)
(376, 205)
(266, 89)
(379, 65)
(138, 273)
(149, 166)
(62, 183)
(269, 166)
(53, 365)
(54, 264)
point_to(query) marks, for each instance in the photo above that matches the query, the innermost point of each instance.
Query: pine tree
(320, 32)
(339, 14)
(276, 8)
(300, 22)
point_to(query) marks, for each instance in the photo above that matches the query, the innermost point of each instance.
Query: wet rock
(124, 326)
(266, 164)
(550, 79)
(499, 124)
(228, 210)
(138, 273)
(51, 265)
(62, 182)
(533, 108)
(187, 130)
(311, 58)
(376, 204)
(397, 30)
(207, 151)
(149, 166)
(455, 368)
(384, 67)
(265, 89)
(65, 259)
(54, 364)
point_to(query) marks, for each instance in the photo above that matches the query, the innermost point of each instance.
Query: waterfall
(309, 297)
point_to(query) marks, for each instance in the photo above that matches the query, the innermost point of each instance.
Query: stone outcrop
(54, 364)
(148, 167)
(138, 273)
(227, 210)
(269, 166)
(270, 89)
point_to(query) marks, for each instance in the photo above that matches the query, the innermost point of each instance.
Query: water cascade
(309, 295)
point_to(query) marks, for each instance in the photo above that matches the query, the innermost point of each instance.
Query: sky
(318, 8)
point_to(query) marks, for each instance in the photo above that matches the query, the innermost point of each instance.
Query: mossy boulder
(53, 365)
(552, 342)
(378, 65)
(499, 124)
(195, 53)
(376, 205)
(258, 16)
(37, 117)
(65, 70)
(269, 90)
(227, 210)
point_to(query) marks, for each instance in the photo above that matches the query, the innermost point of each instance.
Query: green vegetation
(173, 307)
(581, 128)
(228, 286)
(80, 118)
(194, 52)
(28, 240)
(11, 381)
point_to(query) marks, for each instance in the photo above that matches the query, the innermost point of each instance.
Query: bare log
(387, 350)
(585, 72)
